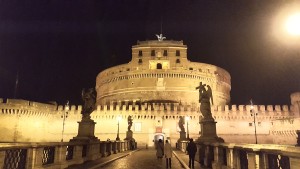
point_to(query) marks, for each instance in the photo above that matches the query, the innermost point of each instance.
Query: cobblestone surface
(141, 159)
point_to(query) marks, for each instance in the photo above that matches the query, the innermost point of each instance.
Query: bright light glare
(293, 24)
(187, 118)
(119, 118)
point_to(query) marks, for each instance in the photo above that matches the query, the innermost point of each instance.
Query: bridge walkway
(138, 159)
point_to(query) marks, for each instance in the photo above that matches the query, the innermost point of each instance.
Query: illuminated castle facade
(156, 88)
(159, 72)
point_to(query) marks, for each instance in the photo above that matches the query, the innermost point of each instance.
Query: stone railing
(56, 155)
(181, 145)
(244, 156)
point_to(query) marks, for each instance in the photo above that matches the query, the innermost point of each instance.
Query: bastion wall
(26, 121)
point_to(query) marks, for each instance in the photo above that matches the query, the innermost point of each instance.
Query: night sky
(58, 47)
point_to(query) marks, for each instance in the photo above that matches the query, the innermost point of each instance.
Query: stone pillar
(60, 156)
(209, 154)
(2, 158)
(263, 160)
(119, 149)
(114, 147)
(38, 162)
(230, 160)
(108, 148)
(253, 159)
(93, 152)
(218, 157)
(122, 146)
(294, 162)
(103, 148)
(200, 154)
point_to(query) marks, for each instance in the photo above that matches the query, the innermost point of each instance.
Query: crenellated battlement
(16, 106)
(176, 107)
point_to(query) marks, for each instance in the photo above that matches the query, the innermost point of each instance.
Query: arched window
(159, 66)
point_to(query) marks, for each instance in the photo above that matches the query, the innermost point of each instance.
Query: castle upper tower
(159, 71)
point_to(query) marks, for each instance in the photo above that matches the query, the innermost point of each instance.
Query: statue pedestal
(91, 144)
(129, 135)
(86, 131)
(208, 131)
(182, 136)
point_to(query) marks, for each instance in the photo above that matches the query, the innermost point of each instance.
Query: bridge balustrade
(182, 145)
(247, 156)
(55, 155)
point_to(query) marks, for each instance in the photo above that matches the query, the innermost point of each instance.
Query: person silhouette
(191, 149)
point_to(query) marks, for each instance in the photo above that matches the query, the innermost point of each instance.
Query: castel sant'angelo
(157, 88)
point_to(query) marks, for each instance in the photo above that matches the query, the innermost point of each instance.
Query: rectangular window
(140, 53)
(152, 52)
(177, 52)
(250, 124)
(138, 126)
(165, 53)
(259, 123)
(140, 61)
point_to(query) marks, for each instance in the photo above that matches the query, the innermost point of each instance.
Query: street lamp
(254, 114)
(64, 116)
(119, 118)
(187, 118)
(286, 25)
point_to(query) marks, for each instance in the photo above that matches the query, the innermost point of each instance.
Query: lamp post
(254, 114)
(118, 119)
(187, 118)
(64, 116)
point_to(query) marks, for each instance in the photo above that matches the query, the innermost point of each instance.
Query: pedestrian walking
(168, 154)
(160, 149)
(192, 149)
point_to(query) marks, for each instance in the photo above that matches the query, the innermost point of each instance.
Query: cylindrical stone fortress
(160, 72)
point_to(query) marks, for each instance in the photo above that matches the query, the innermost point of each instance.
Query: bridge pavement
(138, 159)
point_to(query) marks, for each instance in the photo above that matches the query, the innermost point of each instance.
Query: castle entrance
(158, 136)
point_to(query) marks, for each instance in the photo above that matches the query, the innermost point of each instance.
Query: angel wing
(209, 91)
(160, 37)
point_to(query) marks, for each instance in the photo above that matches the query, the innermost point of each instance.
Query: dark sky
(58, 47)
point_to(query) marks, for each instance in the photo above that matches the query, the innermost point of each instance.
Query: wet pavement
(139, 159)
